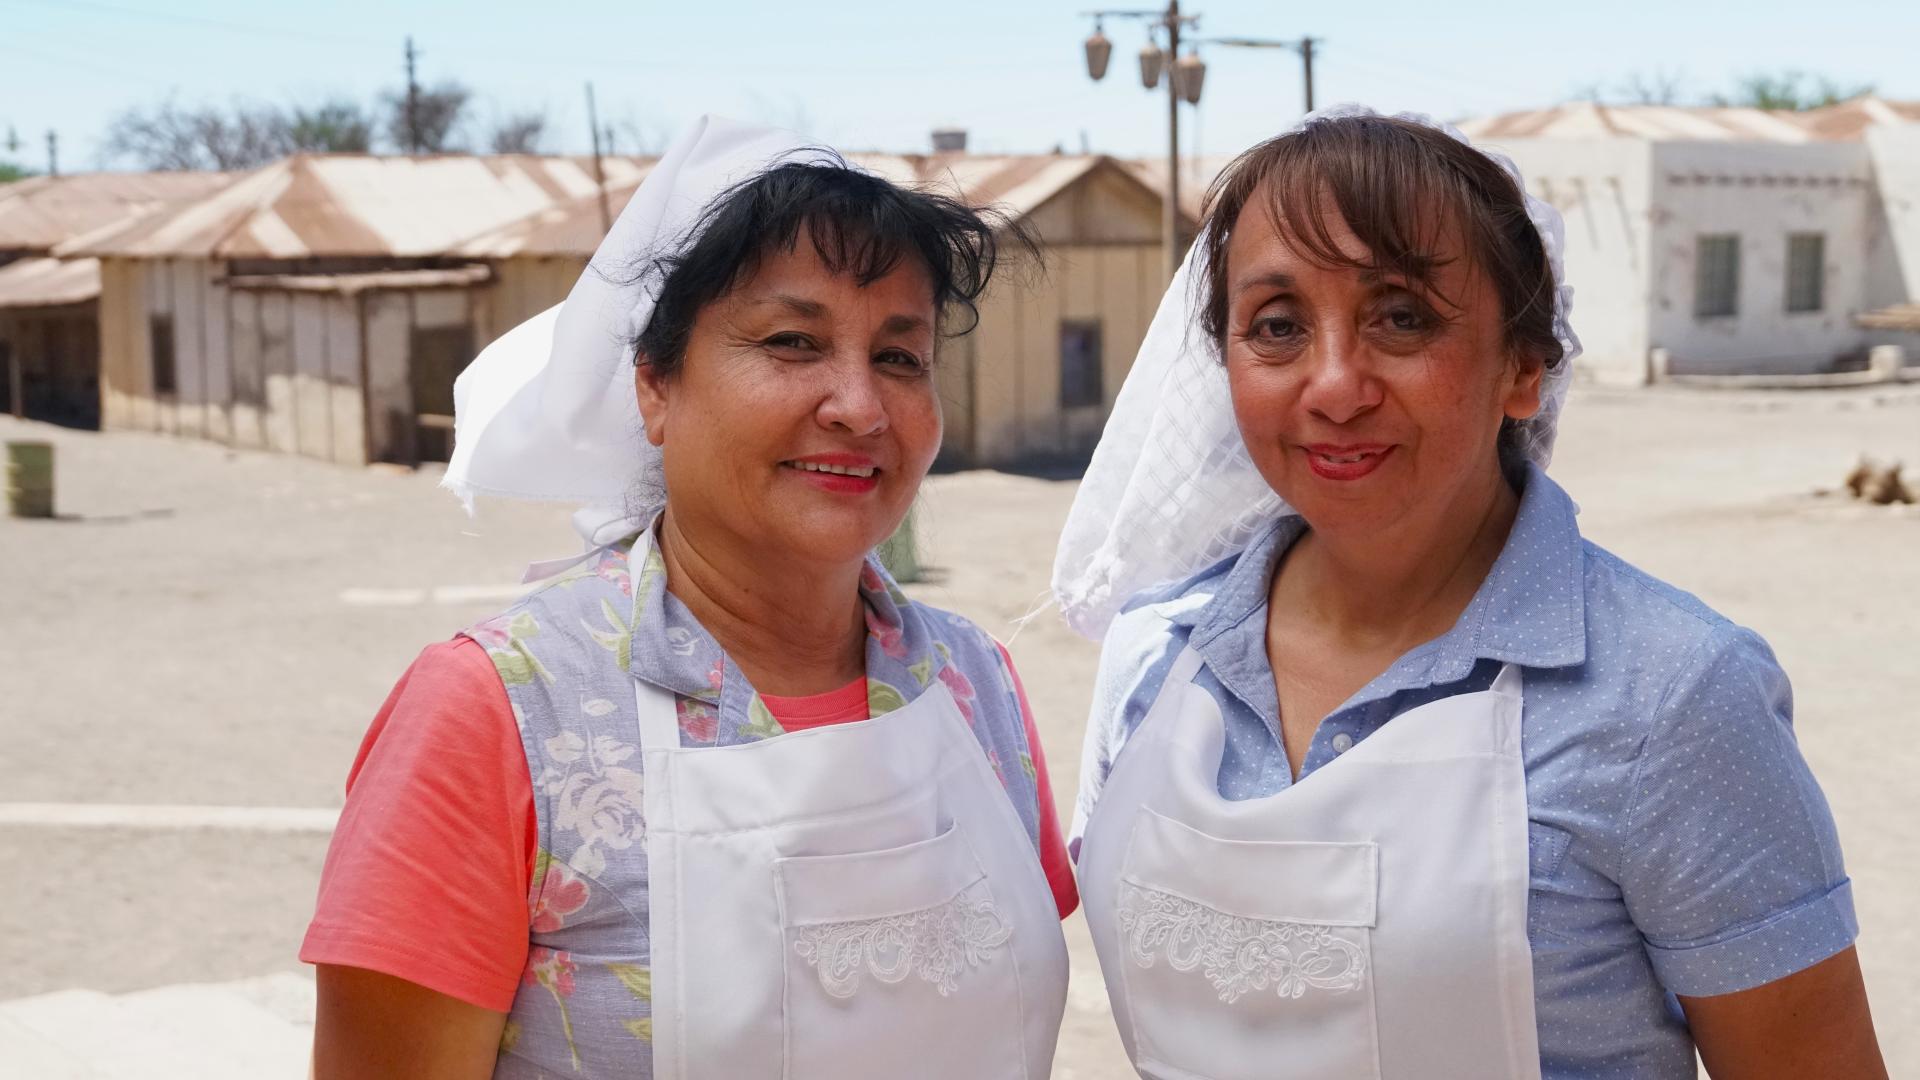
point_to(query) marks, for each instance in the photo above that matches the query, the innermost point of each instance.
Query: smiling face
(803, 415)
(1370, 402)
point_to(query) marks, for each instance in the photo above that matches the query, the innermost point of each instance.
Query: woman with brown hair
(1390, 773)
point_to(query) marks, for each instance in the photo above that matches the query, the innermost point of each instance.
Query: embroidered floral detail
(938, 944)
(1238, 955)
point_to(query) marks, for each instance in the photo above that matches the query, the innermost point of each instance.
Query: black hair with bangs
(861, 225)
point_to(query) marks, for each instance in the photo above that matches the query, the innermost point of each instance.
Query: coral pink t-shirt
(431, 865)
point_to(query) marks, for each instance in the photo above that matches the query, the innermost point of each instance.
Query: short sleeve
(429, 870)
(1053, 847)
(1732, 869)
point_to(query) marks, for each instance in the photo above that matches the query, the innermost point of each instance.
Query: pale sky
(865, 75)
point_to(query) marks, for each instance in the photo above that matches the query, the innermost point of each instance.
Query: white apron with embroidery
(848, 902)
(1369, 921)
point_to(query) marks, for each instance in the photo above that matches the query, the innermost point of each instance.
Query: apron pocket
(1247, 960)
(898, 963)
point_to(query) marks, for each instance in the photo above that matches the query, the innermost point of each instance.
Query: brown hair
(1398, 185)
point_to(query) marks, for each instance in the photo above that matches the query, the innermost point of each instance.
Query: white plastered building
(1727, 241)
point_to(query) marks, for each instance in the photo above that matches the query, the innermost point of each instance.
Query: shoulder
(1656, 629)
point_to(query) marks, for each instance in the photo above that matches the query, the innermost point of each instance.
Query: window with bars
(1716, 283)
(1806, 271)
(1717, 277)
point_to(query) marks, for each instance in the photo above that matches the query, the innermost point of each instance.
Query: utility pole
(1170, 210)
(1306, 66)
(53, 154)
(413, 101)
(599, 173)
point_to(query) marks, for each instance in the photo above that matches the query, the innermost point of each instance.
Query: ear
(1520, 397)
(650, 390)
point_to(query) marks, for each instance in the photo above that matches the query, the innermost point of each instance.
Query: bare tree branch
(519, 133)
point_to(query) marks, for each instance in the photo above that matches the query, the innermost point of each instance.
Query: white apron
(854, 901)
(1369, 921)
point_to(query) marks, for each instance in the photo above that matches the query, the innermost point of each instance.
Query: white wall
(1894, 273)
(1762, 192)
(1600, 187)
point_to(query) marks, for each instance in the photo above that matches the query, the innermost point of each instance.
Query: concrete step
(253, 1029)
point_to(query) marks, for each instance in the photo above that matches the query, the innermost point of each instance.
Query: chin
(843, 536)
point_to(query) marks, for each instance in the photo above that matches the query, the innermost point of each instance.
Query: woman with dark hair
(1389, 772)
(717, 801)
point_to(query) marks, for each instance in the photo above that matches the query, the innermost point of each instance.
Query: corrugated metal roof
(41, 212)
(48, 282)
(347, 205)
(1017, 183)
(1197, 174)
(372, 281)
(1844, 122)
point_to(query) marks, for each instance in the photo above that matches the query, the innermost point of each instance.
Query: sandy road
(216, 628)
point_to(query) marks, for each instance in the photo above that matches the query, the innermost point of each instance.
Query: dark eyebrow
(1275, 280)
(903, 324)
(809, 309)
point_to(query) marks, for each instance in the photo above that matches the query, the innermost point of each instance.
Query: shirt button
(1342, 743)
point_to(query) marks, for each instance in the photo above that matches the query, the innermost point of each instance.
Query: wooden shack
(49, 333)
(315, 306)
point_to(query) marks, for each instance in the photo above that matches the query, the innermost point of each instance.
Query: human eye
(791, 345)
(1275, 328)
(902, 361)
(1275, 332)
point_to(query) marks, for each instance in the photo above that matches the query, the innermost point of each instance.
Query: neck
(1394, 589)
(792, 631)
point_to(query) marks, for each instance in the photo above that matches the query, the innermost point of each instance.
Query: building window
(1806, 271)
(160, 335)
(1716, 283)
(1080, 383)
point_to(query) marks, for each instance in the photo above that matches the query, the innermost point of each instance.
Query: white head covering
(548, 410)
(1171, 488)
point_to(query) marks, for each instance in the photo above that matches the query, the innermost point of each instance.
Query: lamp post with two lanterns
(1185, 77)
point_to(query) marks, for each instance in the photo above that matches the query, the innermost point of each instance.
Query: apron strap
(1508, 681)
(659, 716)
(1185, 667)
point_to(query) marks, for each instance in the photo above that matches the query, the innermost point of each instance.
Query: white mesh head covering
(1171, 488)
(548, 410)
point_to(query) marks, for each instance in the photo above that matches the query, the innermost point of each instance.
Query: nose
(852, 402)
(1341, 385)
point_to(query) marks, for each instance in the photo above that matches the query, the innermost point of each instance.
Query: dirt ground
(210, 627)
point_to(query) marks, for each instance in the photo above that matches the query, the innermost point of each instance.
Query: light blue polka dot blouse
(1680, 845)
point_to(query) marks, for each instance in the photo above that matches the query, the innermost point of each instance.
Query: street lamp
(1183, 81)
(1149, 65)
(1189, 74)
(1098, 50)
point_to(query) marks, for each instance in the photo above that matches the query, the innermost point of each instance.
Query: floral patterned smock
(568, 654)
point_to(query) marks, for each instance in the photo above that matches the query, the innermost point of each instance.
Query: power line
(197, 20)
